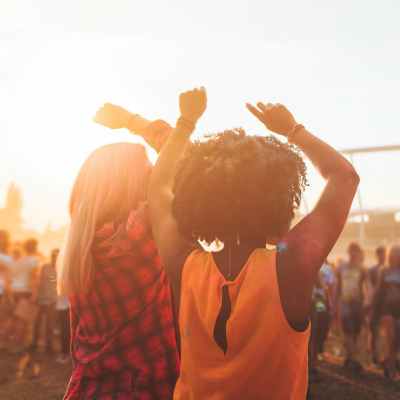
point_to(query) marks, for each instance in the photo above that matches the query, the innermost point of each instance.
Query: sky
(335, 65)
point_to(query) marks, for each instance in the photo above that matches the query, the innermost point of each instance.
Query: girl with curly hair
(244, 311)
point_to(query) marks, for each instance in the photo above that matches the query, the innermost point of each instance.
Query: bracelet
(296, 129)
(186, 124)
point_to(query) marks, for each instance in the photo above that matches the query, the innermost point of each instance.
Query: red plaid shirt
(123, 334)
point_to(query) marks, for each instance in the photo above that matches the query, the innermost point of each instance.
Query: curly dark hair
(236, 184)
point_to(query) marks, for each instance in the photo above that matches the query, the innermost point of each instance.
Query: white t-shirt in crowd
(5, 260)
(21, 273)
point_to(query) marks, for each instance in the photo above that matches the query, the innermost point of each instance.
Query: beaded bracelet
(186, 124)
(296, 129)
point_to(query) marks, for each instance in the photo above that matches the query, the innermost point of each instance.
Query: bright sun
(52, 131)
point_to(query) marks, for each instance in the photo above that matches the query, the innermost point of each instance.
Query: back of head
(235, 185)
(30, 246)
(356, 255)
(111, 182)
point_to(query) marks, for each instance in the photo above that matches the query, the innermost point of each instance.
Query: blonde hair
(111, 183)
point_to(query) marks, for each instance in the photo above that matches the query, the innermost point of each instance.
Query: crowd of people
(154, 315)
(29, 301)
(352, 296)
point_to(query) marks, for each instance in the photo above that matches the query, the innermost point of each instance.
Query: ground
(18, 380)
(52, 378)
(41, 378)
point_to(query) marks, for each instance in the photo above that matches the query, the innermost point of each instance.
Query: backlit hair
(111, 182)
(238, 186)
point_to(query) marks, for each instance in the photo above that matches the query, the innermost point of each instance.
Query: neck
(243, 245)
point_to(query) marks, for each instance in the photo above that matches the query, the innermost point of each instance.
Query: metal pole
(360, 205)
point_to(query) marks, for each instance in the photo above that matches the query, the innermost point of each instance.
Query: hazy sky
(336, 65)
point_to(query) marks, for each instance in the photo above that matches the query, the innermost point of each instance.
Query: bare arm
(155, 133)
(172, 246)
(308, 244)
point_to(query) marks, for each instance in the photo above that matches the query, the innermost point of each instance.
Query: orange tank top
(265, 359)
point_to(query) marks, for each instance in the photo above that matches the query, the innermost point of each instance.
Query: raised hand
(193, 104)
(276, 117)
(112, 116)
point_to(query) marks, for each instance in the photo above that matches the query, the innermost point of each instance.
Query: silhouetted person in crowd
(46, 296)
(5, 262)
(23, 281)
(320, 320)
(63, 317)
(386, 309)
(374, 274)
(351, 292)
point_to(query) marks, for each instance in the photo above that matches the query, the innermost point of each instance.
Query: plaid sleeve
(157, 133)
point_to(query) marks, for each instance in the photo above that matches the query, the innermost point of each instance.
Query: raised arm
(155, 133)
(306, 246)
(173, 248)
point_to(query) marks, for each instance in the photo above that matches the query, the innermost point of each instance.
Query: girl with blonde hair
(123, 335)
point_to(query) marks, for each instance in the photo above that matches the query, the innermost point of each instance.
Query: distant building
(12, 221)
(11, 214)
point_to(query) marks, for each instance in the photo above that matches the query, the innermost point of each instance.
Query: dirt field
(51, 381)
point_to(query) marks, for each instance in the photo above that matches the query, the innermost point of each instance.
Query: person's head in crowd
(16, 253)
(238, 187)
(356, 254)
(30, 247)
(394, 256)
(4, 241)
(381, 255)
(340, 261)
(53, 257)
(111, 183)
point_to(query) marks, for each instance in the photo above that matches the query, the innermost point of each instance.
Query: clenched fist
(112, 116)
(193, 104)
(276, 117)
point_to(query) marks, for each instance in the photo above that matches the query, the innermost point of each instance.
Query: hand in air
(193, 104)
(276, 117)
(112, 116)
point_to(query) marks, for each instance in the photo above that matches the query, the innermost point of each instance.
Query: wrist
(294, 132)
(137, 124)
(185, 125)
(130, 122)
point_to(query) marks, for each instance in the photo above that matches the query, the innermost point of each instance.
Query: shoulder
(196, 256)
(195, 260)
